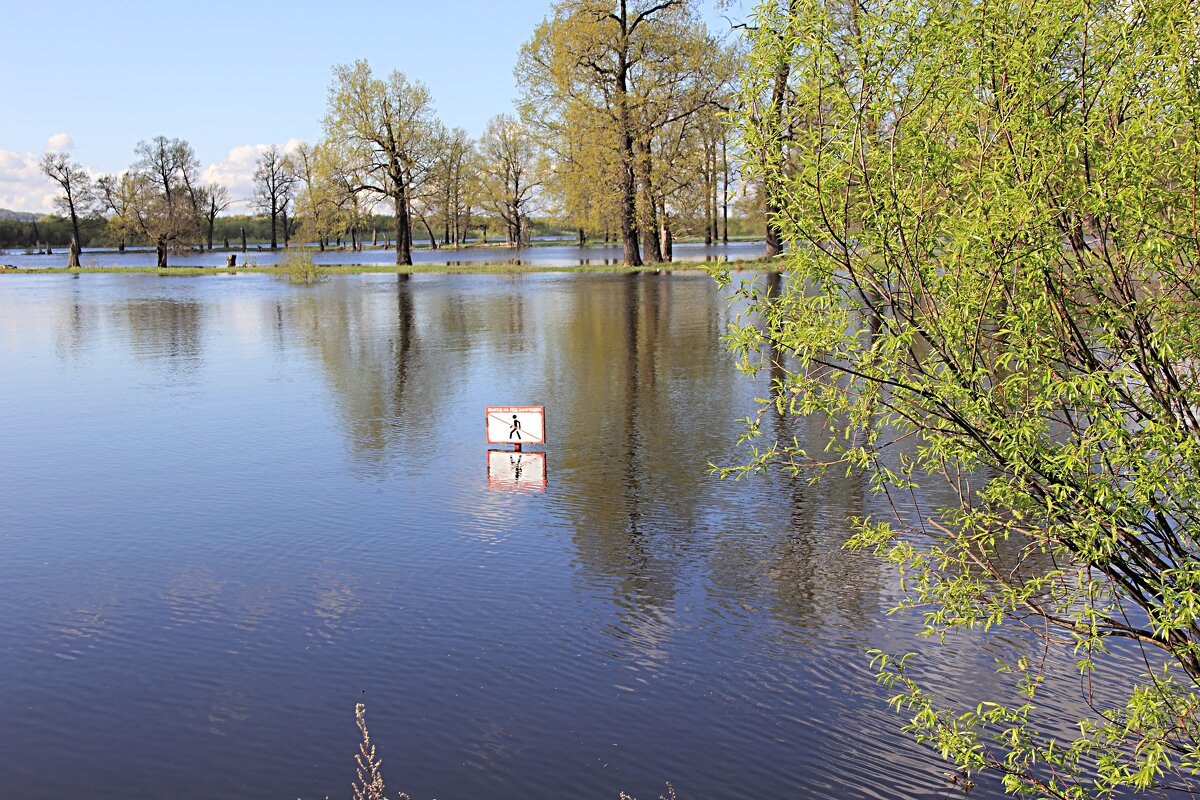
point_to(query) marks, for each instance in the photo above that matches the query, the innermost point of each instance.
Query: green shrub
(298, 267)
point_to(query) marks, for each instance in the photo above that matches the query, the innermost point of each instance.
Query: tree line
(620, 133)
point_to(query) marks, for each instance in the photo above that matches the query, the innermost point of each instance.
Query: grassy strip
(482, 268)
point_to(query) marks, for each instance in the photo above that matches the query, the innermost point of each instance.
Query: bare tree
(162, 192)
(510, 163)
(78, 194)
(450, 177)
(115, 206)
(274, 183)
(216, 199)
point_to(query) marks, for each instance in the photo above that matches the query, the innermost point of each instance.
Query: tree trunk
(354, 239)
(243, 238)
(433, 245)
(778, 97)
(651, 248)
(121, 245)
(274, 217)
(724, 191)
(211, 225)
(582, 238)
(403, 232)
(709, 222)
(715, 233)
(286, 237)
(73, 257)
(374, 235)
(160, 250)
(629, 240)
(667, 240)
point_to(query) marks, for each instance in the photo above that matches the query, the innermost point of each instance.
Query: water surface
(233, 508)
(543, 255)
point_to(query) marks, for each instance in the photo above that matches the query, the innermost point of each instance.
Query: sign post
(516, 425)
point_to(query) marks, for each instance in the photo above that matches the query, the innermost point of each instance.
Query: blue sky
(231, 77)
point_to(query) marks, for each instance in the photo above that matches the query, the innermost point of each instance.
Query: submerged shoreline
(497, 267)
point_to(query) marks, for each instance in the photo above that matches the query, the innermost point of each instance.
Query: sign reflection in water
(516, 471)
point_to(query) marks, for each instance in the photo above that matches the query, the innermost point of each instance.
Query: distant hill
(20, 216)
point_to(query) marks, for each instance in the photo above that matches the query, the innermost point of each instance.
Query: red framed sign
(516, 424)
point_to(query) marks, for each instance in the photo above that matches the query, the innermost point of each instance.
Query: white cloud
(23, 186)
(236, 173)
(60, 142)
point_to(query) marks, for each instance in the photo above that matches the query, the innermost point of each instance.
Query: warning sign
(516, 471)
(516, 424)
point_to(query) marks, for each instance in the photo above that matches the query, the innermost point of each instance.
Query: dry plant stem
(369, 785)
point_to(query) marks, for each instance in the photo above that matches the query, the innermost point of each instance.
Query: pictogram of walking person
(515, 430)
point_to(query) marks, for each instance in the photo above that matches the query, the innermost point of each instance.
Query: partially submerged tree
(162, 195)
(216, 199)
(453, 184)
(777, 43)
(614, 86)
(116, 198)
(991, 223)
(511, 165)
(387, 132)
(581, 61)
(77, 198)
(316, 203)
(274, 186)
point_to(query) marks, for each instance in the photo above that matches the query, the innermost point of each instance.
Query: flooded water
(233, 508)
(543, 255)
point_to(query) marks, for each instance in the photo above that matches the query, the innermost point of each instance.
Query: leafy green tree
(387, 131)
(582, 62)
(616, 91)
(583, 175)
(316, 205)
(351, 205)
(991, 225)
